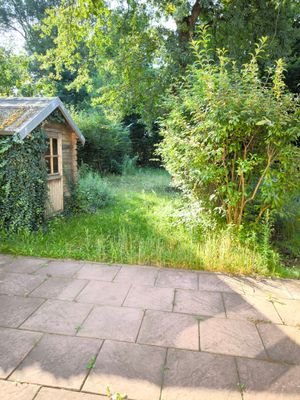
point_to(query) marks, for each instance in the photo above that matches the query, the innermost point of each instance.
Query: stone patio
(69, 330)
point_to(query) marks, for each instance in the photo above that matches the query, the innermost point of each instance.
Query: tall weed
(91, 193)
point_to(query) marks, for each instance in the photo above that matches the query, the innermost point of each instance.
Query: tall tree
(25, 17)
(14, 76)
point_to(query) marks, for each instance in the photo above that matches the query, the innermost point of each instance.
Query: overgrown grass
(139, 228)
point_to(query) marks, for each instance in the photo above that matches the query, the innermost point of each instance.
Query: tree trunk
(185, 30)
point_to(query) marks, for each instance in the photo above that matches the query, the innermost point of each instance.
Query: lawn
(139, 227)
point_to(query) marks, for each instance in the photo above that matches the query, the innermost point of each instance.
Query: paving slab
(106, 322)
(56, 316)
(293, 287)
(251, 308)
(61, 394)
(137, 275)
(59, 361)
(18, 284)
(199, 303)
(232, 337)
(17, 391)
(5, 259)
(60, 268)
(14, 346)
(192, 375)
(289, 311)
(147, 297)
(59, 288)
(98, 272)
(269, 381)
(281, 342)
(169, 330)
(220, 283)
(177, 279)
(104, 293)
(268, 288)
(25, 265)
(128, 368)
(14, 310)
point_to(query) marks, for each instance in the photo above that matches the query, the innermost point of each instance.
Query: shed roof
(21, 115)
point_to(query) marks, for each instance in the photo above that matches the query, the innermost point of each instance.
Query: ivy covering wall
(23, 182)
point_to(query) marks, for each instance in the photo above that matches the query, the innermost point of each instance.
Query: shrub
(107, 142)
(229, 136)
(91, 193)
(23, 182)
(129, 165)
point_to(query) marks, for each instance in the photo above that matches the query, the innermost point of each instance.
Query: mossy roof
(21, 115)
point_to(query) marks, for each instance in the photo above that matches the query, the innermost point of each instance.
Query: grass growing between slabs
(139, 227)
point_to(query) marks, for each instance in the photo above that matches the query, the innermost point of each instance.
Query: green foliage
(143, 141)
(238, 24)
(120, 44)
(287, 230)
(23, 182)
(14, 75)
(129, 165)
(293, 68)
(107, 142)
(91, 364)
(25, 17)
(91, 193)
(115, 396)
(140, 227)
(229, 136)
(126, 54)
(139, 48)
(21, 15)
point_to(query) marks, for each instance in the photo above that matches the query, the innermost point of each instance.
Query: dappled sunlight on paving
(69, 331)
(17, 390)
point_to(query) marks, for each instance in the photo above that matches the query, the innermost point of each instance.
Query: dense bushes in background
(107, 142)
(23, 182)
(143, 141)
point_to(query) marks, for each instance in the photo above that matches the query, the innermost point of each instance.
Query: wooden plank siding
(56, 203)
(69, 153)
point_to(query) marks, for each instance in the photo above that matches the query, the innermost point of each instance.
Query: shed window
(52, 156)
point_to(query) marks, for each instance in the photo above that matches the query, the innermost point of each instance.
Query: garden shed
(23, 116)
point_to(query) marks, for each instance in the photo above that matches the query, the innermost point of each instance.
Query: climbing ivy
(23, 182)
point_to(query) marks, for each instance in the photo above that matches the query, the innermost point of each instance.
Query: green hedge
(23, 182)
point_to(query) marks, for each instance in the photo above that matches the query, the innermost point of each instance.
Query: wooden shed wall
(69, 152)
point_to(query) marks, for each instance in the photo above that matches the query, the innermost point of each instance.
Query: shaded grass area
(139, 227)
(287, 238)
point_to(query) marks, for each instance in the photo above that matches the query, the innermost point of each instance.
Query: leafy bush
(91, 193)
(107, 142)
(23, 182)
(229, 136)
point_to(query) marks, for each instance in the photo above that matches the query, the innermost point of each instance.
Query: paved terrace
(70, 329)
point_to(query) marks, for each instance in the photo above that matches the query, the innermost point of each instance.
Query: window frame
(50, 156)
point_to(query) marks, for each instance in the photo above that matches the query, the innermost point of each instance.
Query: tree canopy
(126, 54)
(14, 74)
(139, 49)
